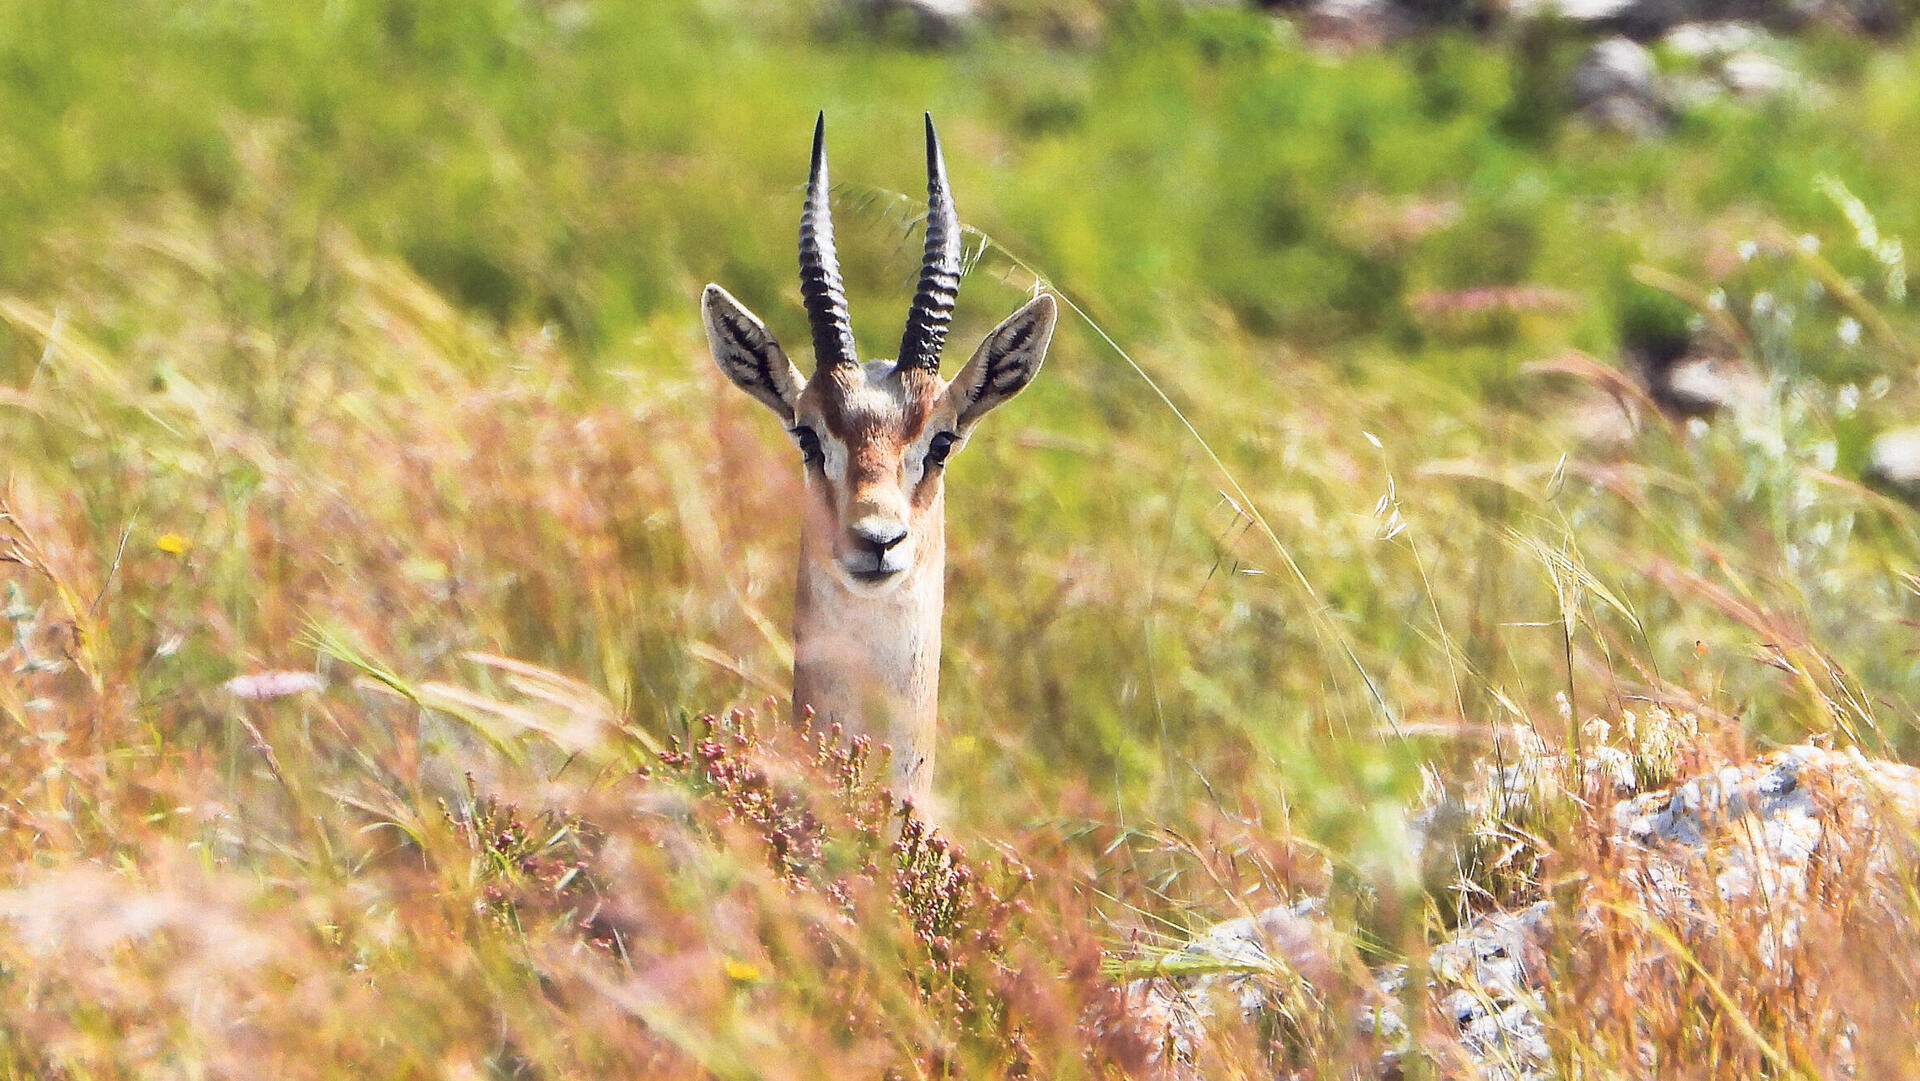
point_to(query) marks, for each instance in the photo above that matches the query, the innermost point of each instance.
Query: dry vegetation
(374, 554)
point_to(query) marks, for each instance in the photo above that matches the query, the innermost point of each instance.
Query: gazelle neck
(871, 661)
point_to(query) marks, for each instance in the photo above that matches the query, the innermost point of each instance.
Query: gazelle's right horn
(939, 287)
(821, 289)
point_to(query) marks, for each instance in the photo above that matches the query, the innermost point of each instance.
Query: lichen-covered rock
(1234, 963)
(1616, 85)
(1757, 831)
(1487, 976)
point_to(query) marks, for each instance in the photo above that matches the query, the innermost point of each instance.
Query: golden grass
(1183, 683)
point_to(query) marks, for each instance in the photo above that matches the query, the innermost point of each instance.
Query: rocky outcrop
(1755, 845)
(1761, 828)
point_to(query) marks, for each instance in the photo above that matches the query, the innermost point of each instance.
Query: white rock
(1894, 459)
(1711, 41)
(1753, 75)
(1616, 66)
(1579, 11)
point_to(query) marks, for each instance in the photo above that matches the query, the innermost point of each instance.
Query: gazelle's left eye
(939, 448)
(809, 444)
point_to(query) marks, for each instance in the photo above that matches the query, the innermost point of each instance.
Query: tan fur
(872, 661)
(866, 622)
(868, 656)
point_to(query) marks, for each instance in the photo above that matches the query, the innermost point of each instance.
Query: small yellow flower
(742, 972)
(173, 544)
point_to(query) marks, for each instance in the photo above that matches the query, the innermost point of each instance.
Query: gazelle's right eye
(809, 444)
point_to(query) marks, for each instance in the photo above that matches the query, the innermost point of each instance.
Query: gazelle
(874, 440)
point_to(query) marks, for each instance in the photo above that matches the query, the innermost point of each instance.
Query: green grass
(375, 322)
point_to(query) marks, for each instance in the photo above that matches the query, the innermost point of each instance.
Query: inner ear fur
(747, 353)
(1006, 361)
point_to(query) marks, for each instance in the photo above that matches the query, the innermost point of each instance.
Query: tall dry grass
(502, 553)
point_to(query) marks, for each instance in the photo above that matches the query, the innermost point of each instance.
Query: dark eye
(939, 448)
(809, 444)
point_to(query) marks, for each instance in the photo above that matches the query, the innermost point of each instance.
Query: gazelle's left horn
(939, 285)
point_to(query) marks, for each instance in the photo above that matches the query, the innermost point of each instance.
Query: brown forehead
(873, 404)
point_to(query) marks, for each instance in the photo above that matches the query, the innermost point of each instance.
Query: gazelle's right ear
(747, 353)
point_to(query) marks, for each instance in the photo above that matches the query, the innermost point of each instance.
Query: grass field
(358, 339)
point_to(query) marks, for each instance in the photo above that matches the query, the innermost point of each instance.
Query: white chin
(874, 579)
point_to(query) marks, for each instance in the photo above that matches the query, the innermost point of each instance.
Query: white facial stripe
(879, 400)
(835, 454)
(914, 463)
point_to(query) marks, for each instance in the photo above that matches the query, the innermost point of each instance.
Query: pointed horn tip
(936, 161)
(819, 146)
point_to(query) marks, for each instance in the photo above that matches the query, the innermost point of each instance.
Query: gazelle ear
(1006, 361)
(747, 353)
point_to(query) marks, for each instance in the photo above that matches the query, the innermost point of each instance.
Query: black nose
(879, 536)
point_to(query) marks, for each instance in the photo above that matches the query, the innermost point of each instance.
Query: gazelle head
(875, 436)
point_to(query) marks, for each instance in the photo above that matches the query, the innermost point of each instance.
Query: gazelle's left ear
(1006, 361)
